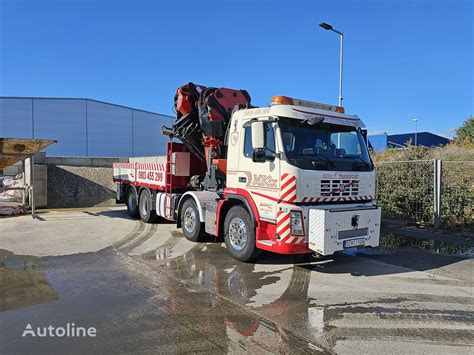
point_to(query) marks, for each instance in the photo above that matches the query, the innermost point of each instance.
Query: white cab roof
(301, 113)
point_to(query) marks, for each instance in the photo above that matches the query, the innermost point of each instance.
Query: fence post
(32, 186)
(438, 177)
(24, 192)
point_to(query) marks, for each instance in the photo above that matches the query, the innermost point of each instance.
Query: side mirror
(258, 135)
(259, 155)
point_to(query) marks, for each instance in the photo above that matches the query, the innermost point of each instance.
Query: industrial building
(84, 127)
(380, 142)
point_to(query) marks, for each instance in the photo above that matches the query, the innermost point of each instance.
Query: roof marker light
(284, 100)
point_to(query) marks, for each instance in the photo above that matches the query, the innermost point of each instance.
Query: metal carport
(13, 150)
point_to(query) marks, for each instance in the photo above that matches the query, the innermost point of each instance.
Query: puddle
(305, 296)
(22, 287)
(390, 242)
(190, 297)
(133, 308)
(22, 283)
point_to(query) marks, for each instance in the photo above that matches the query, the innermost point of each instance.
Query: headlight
(296, 218)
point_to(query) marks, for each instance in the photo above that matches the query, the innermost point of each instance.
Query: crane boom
(202, 117)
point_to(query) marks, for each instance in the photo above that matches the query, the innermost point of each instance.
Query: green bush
(457, 195)
(406, 179)
(405, 190)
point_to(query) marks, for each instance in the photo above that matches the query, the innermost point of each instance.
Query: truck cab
(306, 168)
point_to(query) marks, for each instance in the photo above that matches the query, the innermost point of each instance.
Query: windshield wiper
(326, 159)
(360, 160)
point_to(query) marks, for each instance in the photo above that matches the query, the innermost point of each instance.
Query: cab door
(260, 179)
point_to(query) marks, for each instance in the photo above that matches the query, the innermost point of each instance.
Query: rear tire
(145, 207)
(239, 235)
(193, 228)
(131, 200)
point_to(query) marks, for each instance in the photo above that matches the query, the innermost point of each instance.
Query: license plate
(354, 243)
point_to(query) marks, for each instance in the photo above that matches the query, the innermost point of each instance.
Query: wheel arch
(231, 201)
(200, 198)
(250, 208)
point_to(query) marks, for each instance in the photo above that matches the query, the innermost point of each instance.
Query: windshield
(324, 146)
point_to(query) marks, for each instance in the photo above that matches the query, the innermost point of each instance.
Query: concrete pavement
(65, 232)
(145, 288)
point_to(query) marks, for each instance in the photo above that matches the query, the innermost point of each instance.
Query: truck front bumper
(336, 229)
(327, 229)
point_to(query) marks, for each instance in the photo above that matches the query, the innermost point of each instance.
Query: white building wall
(84, 127)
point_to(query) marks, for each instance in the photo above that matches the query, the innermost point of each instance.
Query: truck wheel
(145, 207)
(131, 200)
(192, 227)
(239, 234)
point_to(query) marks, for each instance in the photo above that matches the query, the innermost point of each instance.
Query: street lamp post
(415, 120)
(341, 36)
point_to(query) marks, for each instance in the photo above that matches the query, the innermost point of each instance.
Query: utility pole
(415, 120)
(341, 51)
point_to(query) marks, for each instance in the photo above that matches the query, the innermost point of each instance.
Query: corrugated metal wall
(84, 127)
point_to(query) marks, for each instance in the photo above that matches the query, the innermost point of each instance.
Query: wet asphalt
(152, 291)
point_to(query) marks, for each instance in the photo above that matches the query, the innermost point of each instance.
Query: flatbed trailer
(166, 177)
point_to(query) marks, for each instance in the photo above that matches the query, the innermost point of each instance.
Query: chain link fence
(405, 190)
(427, 192)
(457, 195)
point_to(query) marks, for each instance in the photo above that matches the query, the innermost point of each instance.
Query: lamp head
(325, 26)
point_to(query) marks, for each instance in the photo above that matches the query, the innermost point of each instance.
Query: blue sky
(403, 59)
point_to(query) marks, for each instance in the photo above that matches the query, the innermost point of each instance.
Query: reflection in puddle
(23, 287)
(328, 301)
(214, 283)
(390, 242)
(196, 298)
(277, 290)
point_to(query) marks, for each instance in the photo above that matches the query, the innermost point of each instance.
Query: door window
(269, 141)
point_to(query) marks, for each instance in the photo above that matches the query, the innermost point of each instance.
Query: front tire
(192, 227)
(145, 207)
(239, 235)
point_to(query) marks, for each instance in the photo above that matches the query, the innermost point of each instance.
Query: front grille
(339, 187)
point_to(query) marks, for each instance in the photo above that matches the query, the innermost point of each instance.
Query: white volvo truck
(292, 178)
